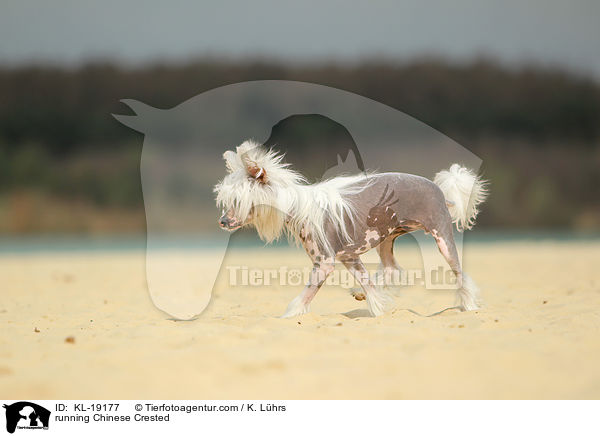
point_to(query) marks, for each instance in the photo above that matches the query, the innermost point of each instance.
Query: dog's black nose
(223, 222)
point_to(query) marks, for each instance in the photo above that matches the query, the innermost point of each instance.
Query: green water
(137, 242)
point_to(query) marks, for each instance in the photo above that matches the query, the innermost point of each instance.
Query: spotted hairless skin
(392, 205)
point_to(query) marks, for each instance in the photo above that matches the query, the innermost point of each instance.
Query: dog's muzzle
(228, 224)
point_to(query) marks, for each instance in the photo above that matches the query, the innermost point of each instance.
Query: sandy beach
(538, 336)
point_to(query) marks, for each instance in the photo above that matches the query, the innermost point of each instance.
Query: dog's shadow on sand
(361, 313)
(358, 313)
(364, 313)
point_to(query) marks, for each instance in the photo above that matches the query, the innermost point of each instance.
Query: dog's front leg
(376, 299)
(301, 304)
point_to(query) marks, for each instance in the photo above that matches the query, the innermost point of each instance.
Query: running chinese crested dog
(344, 217)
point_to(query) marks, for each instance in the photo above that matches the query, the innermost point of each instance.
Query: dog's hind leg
(377, 299)
(389, 273)
(467, 293)
(301, 304)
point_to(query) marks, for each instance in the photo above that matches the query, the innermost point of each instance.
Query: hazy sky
(564, 32)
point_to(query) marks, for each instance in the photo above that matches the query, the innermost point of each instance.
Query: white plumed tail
(464, 192)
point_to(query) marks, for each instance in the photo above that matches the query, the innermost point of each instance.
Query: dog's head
(255, 190)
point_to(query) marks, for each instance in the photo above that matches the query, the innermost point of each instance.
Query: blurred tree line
(67, 165)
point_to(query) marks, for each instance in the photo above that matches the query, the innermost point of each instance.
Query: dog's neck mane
(282, 200)
(304, 207)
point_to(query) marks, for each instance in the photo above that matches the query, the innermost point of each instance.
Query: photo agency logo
(264, 148)
(24, 415)
(242, 275)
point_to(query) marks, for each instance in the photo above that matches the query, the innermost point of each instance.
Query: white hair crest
(284, 201)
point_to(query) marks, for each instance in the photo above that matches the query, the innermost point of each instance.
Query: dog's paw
(295, 308)
(358, 294)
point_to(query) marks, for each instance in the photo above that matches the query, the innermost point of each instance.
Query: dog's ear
(230, 158)
(257, 173)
